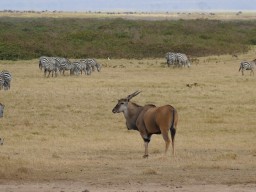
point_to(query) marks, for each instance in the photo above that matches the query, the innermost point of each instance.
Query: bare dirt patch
(69, 186)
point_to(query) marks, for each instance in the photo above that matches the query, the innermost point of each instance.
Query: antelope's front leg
(146, 141)
(146, 150)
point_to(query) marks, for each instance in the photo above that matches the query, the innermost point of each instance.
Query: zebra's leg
(49, 72)
(168, 64)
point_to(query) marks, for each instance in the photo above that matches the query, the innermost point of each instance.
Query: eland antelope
(149, 120)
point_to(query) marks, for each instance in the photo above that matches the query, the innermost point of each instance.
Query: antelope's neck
(131, 114)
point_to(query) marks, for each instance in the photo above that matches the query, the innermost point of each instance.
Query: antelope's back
(158, 118)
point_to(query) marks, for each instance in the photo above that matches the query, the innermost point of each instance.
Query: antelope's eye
(121, 103)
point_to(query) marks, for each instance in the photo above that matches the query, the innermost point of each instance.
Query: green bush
(28, 38)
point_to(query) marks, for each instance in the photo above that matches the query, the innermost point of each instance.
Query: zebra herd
(5, 80)
(177, 59)
(181, 60)
(57, 65)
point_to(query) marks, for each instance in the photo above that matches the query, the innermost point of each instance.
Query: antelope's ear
(129, 97)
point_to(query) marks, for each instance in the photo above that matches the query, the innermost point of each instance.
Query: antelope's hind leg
(167, 140)
(173, 132)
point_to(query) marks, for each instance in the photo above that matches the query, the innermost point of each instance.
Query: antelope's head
(122, 104)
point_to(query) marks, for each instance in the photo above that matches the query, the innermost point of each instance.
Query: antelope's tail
(173, 127)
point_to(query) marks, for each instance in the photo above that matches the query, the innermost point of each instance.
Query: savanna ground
(60, 133)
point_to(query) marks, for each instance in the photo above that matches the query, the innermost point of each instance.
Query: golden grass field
(62, 129)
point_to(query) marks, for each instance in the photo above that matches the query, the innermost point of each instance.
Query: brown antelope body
(149, 120)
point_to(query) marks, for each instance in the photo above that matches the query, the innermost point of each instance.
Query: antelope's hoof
(145, 156)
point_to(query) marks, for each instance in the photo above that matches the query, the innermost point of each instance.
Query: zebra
(65, 64)
(89, 66)
(247, 65)
(5, 79)
(177, 59)
(42, 61)
(92, 63)
(171, 58)
(78, 67)
(182, 60)
(51, 65)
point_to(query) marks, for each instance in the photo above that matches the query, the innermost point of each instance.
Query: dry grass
(63, 128)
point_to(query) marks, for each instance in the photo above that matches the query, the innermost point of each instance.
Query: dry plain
(60, 133)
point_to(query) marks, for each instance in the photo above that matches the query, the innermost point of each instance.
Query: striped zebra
(247, 65)
(92, 63)
(182, 60)
(51, 65)
(5, 79)
(79, 67)
(65, 64)
(89, 65)
(42, 61)
(171, 58)
(177, 59)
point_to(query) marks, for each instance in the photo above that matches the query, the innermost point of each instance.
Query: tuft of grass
(226, 156)
(149, 171)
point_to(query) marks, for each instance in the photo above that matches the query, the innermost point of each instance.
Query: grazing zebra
(42, 61)
(182, 60)
(80, 67)
(177, 59)
(247, 65)
(51, 65)
(92, 63)
(76, 68)
(5, 79)
(65, 64)
(171, 58)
